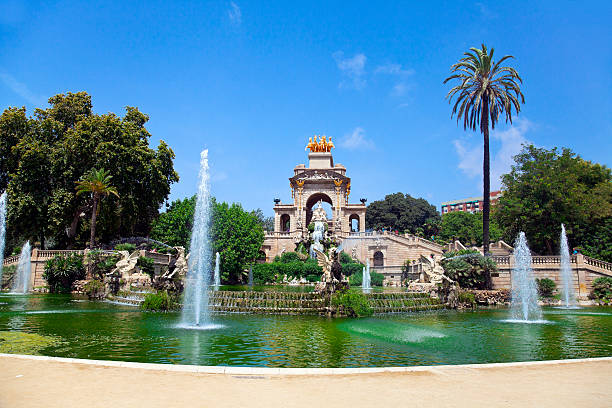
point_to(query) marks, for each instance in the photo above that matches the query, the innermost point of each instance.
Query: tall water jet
(2, 231)
(251, 276)
(195, 306)
(366, 283)
(21, 283)
(217, 270)
(524, 292)
(569, 299)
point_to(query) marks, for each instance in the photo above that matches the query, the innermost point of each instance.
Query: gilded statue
(323, 145)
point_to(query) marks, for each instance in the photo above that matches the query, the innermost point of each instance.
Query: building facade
(471, 205)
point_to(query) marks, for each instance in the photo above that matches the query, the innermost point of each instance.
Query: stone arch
(379, 259)
(312, 200)
(285, 223)
(354, 221)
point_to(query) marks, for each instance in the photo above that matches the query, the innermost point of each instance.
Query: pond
(66, 326)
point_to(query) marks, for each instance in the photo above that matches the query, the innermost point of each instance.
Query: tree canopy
(400, 212)
(467, 228)
(42, 157)
(546, 188)
(173, 227)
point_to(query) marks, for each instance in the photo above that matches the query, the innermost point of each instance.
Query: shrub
(546, 287)
(62, 270)
(345, 258)
(349, 269)
(376, 279)
(8, 274)
(469, 268)
(125, 247)
(313, 278)
(94, 289)
(602, 289)
(466, 298)
(291, 269)
(352, 303)
(100, 264)
(160, 301)
(311, 267)
(288, 257)
(146, 265)
(263, 273)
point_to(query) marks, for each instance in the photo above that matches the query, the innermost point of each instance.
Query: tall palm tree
(96, 183)
(486, 89)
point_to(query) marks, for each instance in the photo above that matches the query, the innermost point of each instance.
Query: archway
(354, 222)
(313, 200)
(285, 223)
(379, 259)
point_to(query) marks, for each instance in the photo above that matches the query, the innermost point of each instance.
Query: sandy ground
(31, 383)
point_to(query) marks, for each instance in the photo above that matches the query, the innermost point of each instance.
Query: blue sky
(252, 81)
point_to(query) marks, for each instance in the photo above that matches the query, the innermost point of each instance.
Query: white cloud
(235, 14)
(504, 145)
(353, 69)
(22, 90)
(393, 69)
(356, 140)
(401, 86)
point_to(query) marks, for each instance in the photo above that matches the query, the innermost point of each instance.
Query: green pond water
(64, 326)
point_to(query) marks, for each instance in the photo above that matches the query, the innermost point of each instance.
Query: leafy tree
(237, 236)
(267, 223)
(486, 90)
(467, 228)
(42, 157)
(98, 184)
(546, 188)
(400, 212)
(173, 227)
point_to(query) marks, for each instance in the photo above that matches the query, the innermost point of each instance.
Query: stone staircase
(403, 302)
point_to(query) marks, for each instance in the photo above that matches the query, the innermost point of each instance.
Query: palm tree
(486, 90)
(97, 183)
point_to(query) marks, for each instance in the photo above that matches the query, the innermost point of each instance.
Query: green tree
(546, 188)
(237, 235)
(96, 183)
(400, 212)
(174, 226)
(42, 157)
(486, 90)
(267, 223)
(467, 228)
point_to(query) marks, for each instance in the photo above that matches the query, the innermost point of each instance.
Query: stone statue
(433, 271)
(354, 253)
(129, 273)
(318, 214)
(332, 278)
(299, 223)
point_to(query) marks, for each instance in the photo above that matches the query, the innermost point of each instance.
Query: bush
(160, 301)
(264, 273)
(376, 279)
(466, 298)
(94, 289)
(288, 257)
(546, 287)
(471, 270)
(602, 289)
(8, 274)
(349, 269)
(62, 270)
(352, 303)
(345, 258)
(146, 265)
(311, 267)
(125, 247)
(313, 278)
(100, 264)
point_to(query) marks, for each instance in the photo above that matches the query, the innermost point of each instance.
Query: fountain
(21, 283)
(366, 284)
(251, 276)
(2, 230)
(217, 282)
(525, 308)
(195, 306)
(569, 300)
